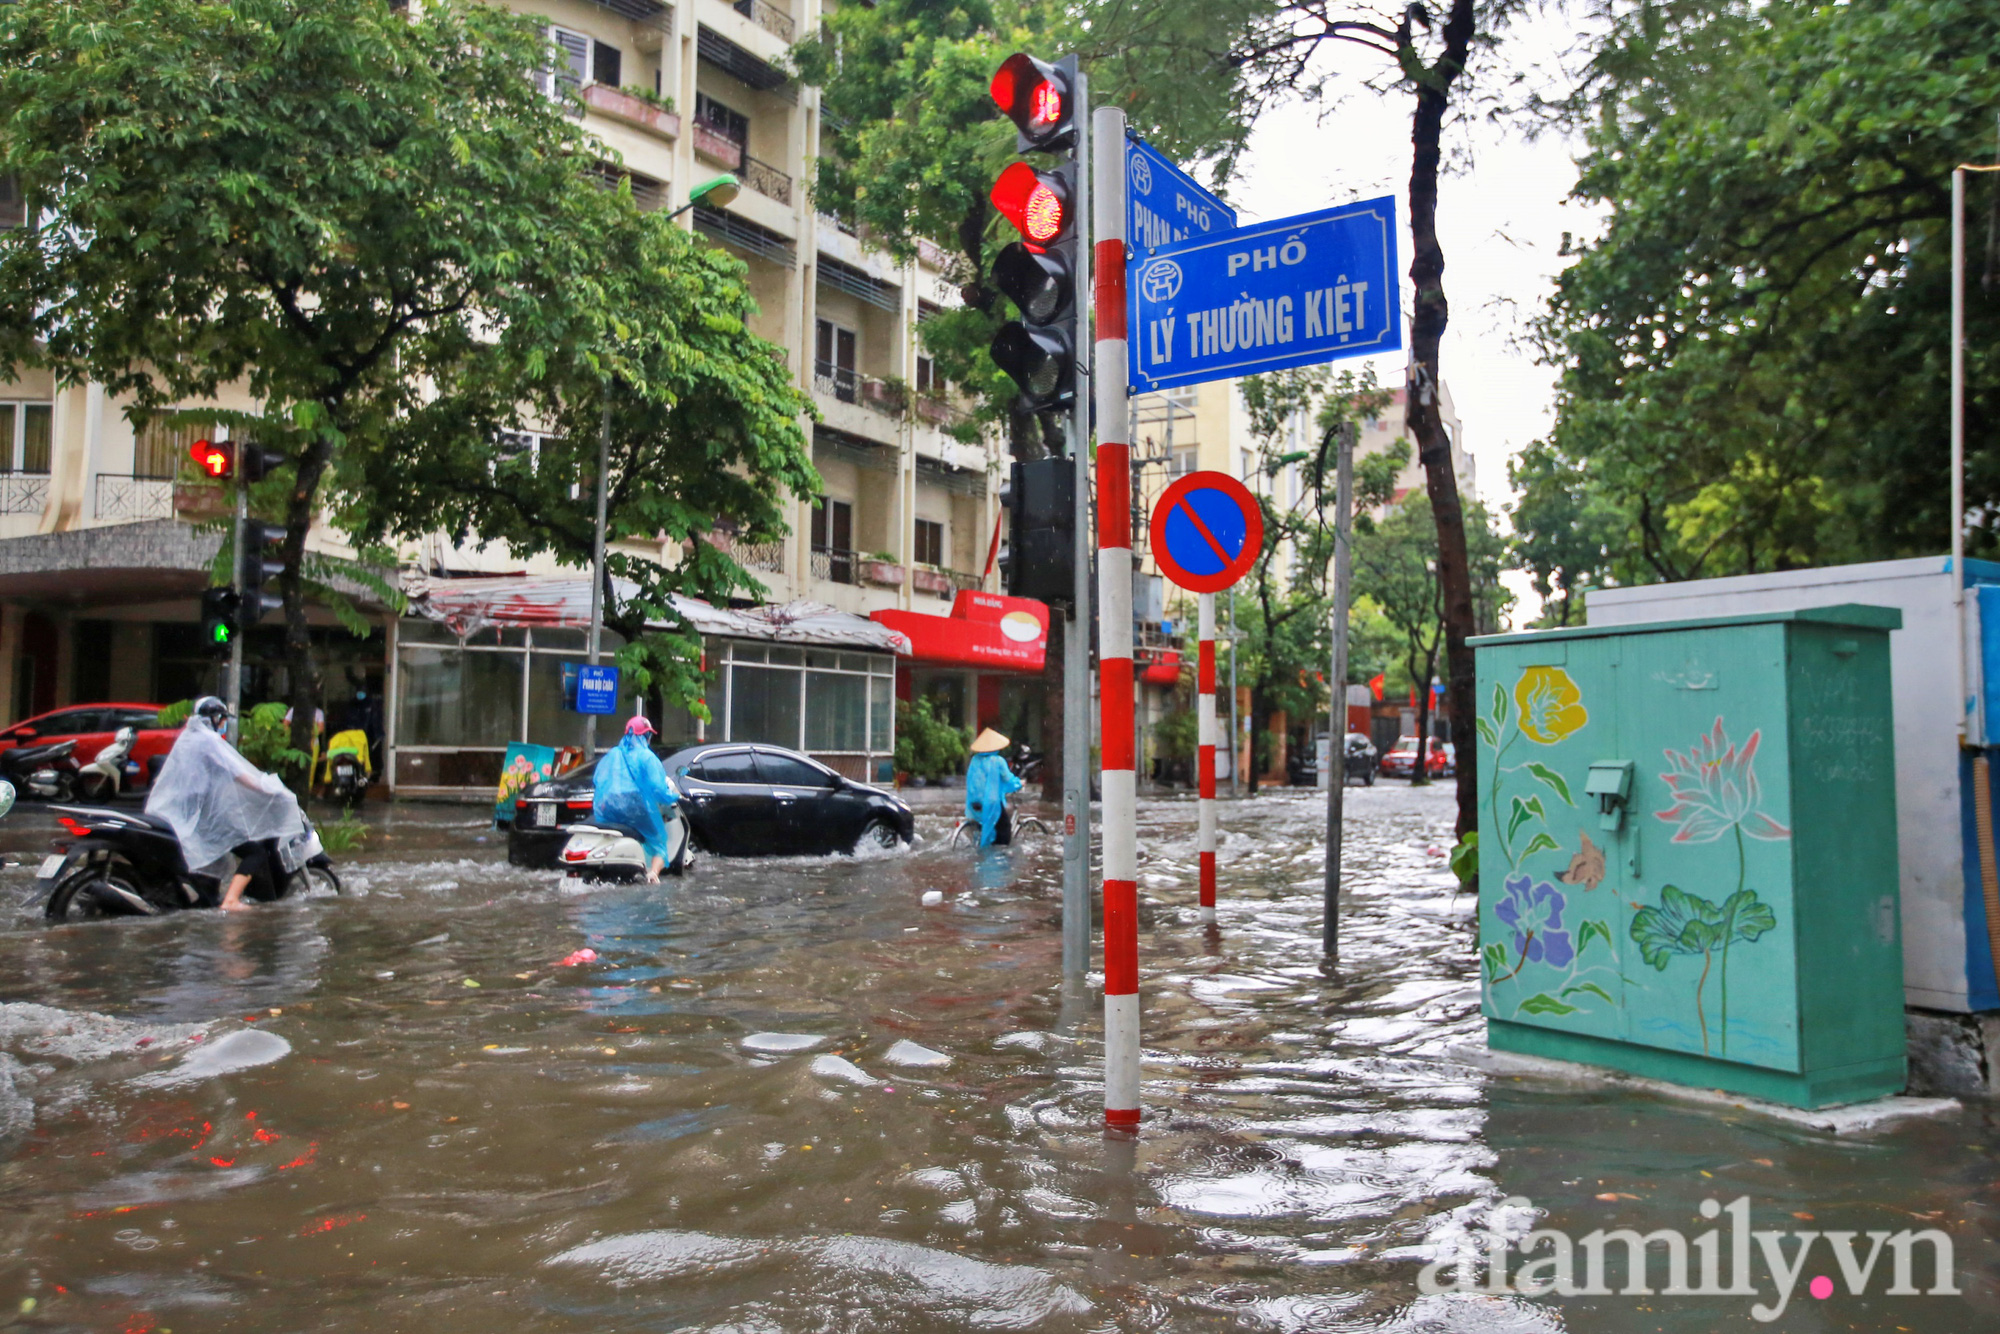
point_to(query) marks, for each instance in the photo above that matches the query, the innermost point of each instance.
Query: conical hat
(988, 740)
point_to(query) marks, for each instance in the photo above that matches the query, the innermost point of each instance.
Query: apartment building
(100, 566)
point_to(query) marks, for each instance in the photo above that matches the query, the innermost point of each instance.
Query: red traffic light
(1037, 203)
(1034, 96)
(215, 460)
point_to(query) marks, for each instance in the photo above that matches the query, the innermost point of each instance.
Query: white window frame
(16, 446)
(574, 60)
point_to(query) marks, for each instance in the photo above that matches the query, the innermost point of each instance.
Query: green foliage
(173, 715)
(266, 741)
(926, 745)
(1753, 353)
(1178, 734)
(1685, 923)
(342, 836)
(1543, 1003)
(1465, 860)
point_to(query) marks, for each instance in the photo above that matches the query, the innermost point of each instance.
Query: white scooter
(615, 852)
(104, 777)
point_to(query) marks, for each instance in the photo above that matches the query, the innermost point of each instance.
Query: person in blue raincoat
(631, 788)
(988, 782)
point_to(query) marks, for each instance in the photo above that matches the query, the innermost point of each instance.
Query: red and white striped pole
(1204, 685)
(1114, 628)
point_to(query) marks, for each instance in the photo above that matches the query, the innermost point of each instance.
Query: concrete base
(1852, 1119)
(1954, 1055)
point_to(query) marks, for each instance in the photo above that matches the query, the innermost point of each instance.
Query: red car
(92, 726)
(1401, 762)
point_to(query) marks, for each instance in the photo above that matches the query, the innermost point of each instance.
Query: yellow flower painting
(1551, 705)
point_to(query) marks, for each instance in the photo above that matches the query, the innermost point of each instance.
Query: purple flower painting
(1534, 911)
(1715, 791)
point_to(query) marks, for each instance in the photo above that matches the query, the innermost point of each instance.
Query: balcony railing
(839, 381)
(890, 399)
(766, 179)
(621, 105)
(835, 564)
(751, 555)
(943, 582)
(774, 21)
(717, 147)
(24, 492)
(121, 498)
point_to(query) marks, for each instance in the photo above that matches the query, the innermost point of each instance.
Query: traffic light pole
(597, 563)
(1076, 629)
(234, 698)
(1336, 730)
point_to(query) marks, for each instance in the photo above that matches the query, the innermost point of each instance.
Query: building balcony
(838, 565)
(134, 498)
(24, 492)
(717, 147)
(633, 111)
(942, 582)
(772, 20)
(767, 556)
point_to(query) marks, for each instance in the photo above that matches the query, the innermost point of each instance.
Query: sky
(1502, 212)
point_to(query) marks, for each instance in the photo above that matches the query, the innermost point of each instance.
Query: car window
(138, 718)
(727, 766)
(72, 721)
(789, 771)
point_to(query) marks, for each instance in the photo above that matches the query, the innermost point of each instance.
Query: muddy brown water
(787, 1097)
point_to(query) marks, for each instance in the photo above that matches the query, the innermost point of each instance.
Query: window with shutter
(607, 64)
(570, 58)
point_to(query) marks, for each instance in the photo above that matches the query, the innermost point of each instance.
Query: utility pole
(1336, 750)
(1235, 737)
(1076, 630)
(597, 562)
(235, 696)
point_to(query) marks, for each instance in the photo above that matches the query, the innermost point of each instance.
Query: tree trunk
(1427, 325)
(299, 662)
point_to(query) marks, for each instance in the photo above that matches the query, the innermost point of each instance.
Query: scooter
(129, 864)
(48, 772)
(616, 853)
(104, 777)
(346, 779)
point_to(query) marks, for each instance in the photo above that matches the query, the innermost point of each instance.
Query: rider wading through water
(219, 804)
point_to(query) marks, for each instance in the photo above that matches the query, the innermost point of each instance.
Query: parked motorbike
(616, 852)
(47, 772)
(1027, 764)
(129, 864)
(104, 777)
(346, 779)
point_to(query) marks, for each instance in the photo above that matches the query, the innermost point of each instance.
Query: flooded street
(784, 1097)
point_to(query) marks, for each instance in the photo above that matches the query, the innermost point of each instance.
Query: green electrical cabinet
(1687, 852)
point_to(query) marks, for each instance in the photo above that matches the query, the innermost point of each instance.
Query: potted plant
(882, 569)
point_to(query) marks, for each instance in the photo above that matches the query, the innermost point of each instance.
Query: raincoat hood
(215, 799)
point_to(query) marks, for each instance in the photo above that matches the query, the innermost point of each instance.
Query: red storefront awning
(984, 630)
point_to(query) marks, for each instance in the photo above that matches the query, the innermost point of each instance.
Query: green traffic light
(222, 634)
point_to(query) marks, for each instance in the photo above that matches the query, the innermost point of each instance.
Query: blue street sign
(1301, 290)
(1163, 204)
(596, 689)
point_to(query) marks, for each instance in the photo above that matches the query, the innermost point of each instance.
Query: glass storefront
(833, 704)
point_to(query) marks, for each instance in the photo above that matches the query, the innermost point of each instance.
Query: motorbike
(616, 852)
(104, 777)
(346, 779)
(48, 772)
(129, 864)
(1027, 764)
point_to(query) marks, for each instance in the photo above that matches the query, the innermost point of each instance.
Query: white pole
(1336, 762)
(1114, 632)
(1204, 683)
(1967, 711)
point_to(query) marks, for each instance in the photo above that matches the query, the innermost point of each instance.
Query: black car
(740, 800)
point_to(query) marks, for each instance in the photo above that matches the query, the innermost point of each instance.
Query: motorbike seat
(153, 820)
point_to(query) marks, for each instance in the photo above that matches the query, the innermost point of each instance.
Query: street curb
(1852, 1119)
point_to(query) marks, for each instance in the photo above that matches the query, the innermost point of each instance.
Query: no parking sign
(1208, 530)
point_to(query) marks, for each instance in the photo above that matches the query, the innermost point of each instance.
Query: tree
(1565, 530)
(705, 440)
(331, 204)
(1753, 355)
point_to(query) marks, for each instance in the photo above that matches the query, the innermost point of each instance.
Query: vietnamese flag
(1375, 685)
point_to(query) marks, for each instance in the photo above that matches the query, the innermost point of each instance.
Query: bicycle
(965, 833)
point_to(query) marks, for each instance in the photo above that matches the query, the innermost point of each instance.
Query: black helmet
(211, 708)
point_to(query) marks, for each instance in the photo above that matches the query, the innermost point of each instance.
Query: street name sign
(596, 689)
(1163, 204)
(1302, 290)
(1208, 530)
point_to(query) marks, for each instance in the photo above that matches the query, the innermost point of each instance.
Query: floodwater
(787, 1097)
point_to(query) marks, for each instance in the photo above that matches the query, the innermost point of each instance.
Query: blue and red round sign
(1208, 530)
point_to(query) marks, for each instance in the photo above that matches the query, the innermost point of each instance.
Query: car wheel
(878, 835)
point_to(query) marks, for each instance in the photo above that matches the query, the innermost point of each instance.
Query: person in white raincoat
(219, 803)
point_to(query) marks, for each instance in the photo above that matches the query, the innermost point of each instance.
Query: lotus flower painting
(1715, 791)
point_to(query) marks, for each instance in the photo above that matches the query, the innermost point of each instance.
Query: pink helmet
(639, 725)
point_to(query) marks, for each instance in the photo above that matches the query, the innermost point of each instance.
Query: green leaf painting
(1543, 841)
(1495, 956)
(1525, 808)
(1686, 924)
(1543, 1003)
(1554, 780)
(1590, 931)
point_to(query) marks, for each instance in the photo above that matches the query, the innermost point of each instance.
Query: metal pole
(1965, 703)
(1076, 630)
(235, 691)
(1204, 684)
(1235, 739)
(597, 562)
(1336, 750)
(1114, 635)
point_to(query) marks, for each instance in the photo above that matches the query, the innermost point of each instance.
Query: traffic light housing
(254, 570)
(218, 619)
(1040, 99)
(1040, 559)
(1038, 273)
(220, 459)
